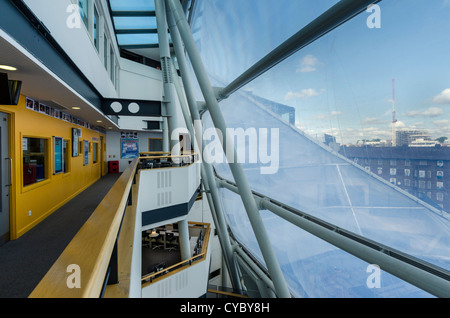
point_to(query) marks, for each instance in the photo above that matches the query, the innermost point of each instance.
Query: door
(5, 177)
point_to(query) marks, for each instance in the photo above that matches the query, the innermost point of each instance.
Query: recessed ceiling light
(75, 107)
(8, 68)
(99, 121)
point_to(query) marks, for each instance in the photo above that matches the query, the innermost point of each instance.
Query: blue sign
(86, 152)
(129, 148)
(58, 148)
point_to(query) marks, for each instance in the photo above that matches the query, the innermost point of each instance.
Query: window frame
(95, 153)
(46, 154)
(86, 12)
(96, 28)
(149, 141)
(60, 153)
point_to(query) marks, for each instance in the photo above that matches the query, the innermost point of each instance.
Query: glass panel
(235, 34)
(132, 5)
(83, 6)
(94, 152)
(155, 144)
(112, 66)
(137, 39)
(341, 90)
(127, 23)
(96, 29)
(105, 51)
(67, 156)
(34, 160)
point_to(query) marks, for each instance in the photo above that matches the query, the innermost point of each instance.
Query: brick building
(422, 171)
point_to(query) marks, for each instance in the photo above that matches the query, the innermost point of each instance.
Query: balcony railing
(155, 160)
(90, 261)
(90, 266)
(199, 256)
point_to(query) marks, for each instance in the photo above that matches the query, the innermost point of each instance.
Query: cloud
(400, 124)
(331, 131)
(308, 64)
(333, 114)
(443, 97)
(304, 93)
(374, 132)
(374, 121)
(441, 122)
(430, 112)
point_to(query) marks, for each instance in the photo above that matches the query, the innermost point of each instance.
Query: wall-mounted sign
(129, 148)
(75, 137)
(86, 152)
(58, 155)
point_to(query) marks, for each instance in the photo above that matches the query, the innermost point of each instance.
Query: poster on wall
(86, 152)
(30, 103)
(75, 142)
(58, 151)
(129, 149)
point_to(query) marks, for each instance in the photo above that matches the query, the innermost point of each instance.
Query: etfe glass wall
(367, 150)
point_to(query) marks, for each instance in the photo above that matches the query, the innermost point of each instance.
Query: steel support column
(341, 12)
(426, 276)
(171, 108)
(195, 129)
(169, 90)
(183, 230)
(236, 169)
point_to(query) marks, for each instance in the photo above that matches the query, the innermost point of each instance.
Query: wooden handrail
(154, 153)
(191, 261)
(220, 292)
(88, 255)
(194, 160)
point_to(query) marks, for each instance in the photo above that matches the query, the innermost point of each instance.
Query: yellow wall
(45, 197)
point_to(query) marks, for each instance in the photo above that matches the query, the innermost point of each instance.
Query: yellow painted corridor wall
(45, 197)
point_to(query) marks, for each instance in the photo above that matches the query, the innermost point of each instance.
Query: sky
(342, 83)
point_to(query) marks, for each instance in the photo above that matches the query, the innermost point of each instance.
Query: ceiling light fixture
(8, 68)
(76, 108)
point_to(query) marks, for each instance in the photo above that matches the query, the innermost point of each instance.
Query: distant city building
(423, 171)
(414, 138)
(287, 113)
(330, 141)
(374, 143)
